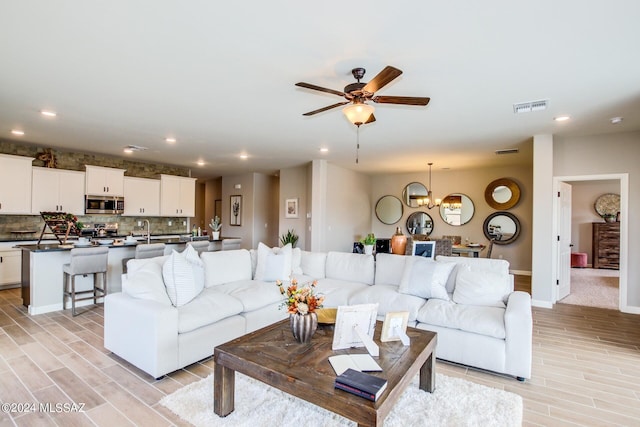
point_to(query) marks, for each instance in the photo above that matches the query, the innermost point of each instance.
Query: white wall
(293, 185)
(608, 154)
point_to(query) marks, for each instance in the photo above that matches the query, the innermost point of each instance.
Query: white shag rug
(455, 402)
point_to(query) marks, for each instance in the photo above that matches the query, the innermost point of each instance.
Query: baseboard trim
(520, 272)
(541, 304)
(630, 310)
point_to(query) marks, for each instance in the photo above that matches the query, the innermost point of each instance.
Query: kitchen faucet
(148, 231)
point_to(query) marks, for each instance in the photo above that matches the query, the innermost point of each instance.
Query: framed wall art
(291, 208)
(236, 210)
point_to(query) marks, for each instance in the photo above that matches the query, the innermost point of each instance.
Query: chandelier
(429, 202)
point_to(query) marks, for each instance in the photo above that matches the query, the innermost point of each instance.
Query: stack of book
(361, 384)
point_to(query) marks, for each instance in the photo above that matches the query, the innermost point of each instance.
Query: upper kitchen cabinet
(57, 190)
(15, 184)
(141, 196)
(177, 196)
(102, 181)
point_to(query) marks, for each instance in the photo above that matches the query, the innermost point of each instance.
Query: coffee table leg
(224, 381)
(428, 375)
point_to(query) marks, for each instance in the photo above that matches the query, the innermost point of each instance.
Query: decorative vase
(215, 235)
(398, 242)
(368, 249)
(303, 326)
(609, 219)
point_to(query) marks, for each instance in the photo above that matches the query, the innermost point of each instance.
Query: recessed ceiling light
(244, 156)
(616, 120)
(200, 162)
(561, 118)
(17, 132)
(170, 140)
(48, 113)
(128, 150)
(324, 150)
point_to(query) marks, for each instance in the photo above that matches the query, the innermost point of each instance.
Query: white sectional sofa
(470, 302)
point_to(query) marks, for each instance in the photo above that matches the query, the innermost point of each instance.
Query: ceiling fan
(356, 94)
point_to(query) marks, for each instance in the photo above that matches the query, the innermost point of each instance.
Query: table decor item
(301, 303)
(398, 242)
(215, 227)
(369, 242)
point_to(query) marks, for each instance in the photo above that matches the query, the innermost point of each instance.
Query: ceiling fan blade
(321, 89)
(371, 119)
(408, 100)
(320, 110)
(383, 78)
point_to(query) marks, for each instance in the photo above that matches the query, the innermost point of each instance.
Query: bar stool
(229, 244)
(199, 245)
(84, 261)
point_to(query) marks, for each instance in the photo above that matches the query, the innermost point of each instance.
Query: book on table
(358, 362)
(361, 384)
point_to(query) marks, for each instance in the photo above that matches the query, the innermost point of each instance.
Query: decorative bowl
(106, 242)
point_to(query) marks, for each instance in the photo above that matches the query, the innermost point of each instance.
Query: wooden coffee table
(272, 356)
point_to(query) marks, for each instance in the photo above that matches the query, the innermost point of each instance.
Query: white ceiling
(219, 77)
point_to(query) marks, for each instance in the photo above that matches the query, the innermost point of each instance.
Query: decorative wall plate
(607, 204)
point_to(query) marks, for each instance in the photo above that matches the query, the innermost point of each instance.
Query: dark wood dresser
(606, 245)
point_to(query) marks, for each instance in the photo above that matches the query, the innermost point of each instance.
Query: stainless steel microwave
(106, 205)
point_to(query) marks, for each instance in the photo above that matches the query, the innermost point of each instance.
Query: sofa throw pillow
(147, 283)
(273, 263)
(183, 275)
(425, 278)
(481, 288)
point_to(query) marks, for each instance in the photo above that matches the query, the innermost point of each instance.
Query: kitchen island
(42, 272)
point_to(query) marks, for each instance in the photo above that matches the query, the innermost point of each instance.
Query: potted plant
(290, 237)
(609, 217)
(369, 241)
(215, 226)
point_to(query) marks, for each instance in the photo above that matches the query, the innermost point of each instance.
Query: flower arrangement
(300, 300)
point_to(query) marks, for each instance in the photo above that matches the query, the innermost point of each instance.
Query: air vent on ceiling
(527, 107)
(508, 151)
(135, 148)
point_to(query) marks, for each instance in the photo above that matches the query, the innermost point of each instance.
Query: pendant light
(429, 201)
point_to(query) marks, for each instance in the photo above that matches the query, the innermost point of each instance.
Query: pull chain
(357, 144)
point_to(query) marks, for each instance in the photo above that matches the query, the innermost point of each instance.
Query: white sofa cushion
(146, 282)
(313, 264)
(183, 275)
(486, 288)
(389, 268)
(134, 264)
(336, 292)
(210, 307)
(350, 267)
(388, 299)
(273, 263)
(487, 321)
(500, 266)
(252, 294)
(226, 266)
(425, 278)
(296, 259)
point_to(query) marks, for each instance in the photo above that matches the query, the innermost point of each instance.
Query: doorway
(590, 286)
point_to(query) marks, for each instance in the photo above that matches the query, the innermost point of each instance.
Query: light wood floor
(586, 370)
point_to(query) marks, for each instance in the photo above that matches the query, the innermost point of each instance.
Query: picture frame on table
(235, 210)
(425, 249)
(395, 324)
(291, 208)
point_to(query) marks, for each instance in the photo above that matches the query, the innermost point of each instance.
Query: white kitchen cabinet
(15, 184)
(101, 181)
(10, 266)
(141, 197)
(177, 196)
(57, 190)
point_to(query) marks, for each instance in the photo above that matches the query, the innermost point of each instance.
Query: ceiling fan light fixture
(359, 113)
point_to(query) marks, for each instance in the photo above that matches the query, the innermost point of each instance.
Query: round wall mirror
(413, 194)
(456, 209)
(420, 223)
(503, 193)
(501, 227)
(389, 209)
